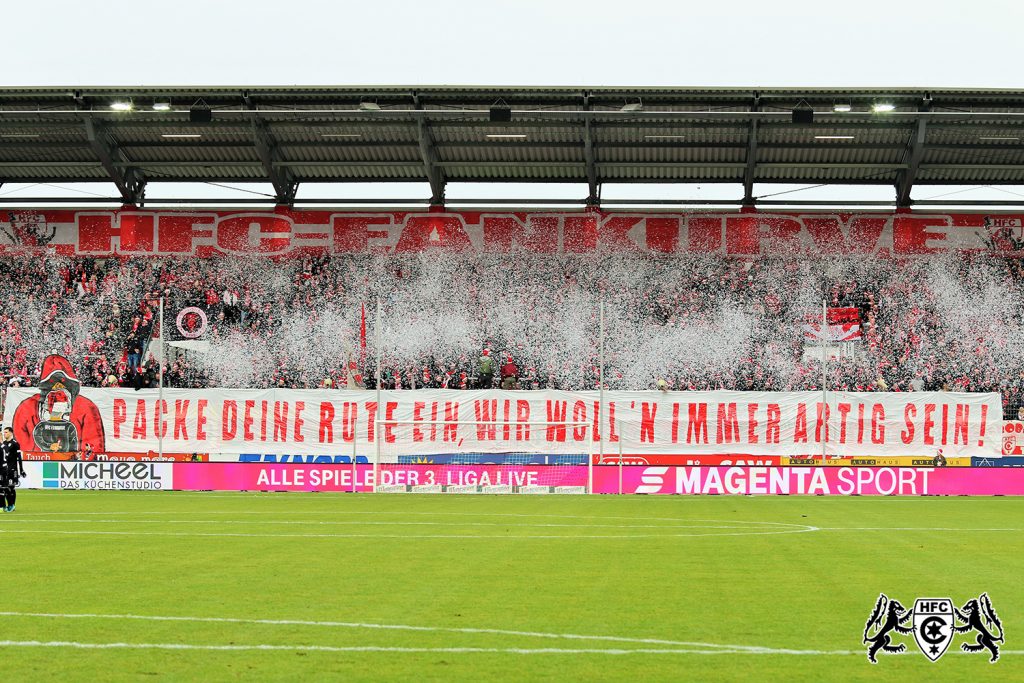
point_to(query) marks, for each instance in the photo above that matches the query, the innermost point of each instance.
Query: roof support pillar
(593, 186)
(428, 153)
(912, 158)
(130, 182)
(748, 173)
(285, 186)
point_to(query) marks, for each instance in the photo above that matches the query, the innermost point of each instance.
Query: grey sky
(869, 43)
(549, 42)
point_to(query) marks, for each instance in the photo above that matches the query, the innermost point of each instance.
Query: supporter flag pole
(362, 336)
(376, 431)
(600, 410)
(824, 378)
(160, 431)
(620, 467)
(355, 443)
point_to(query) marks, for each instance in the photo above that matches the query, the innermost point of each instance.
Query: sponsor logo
(934, 623)
(683, 460)
(1005, 461)
(652, 480)
(102, 475)
(51, 475)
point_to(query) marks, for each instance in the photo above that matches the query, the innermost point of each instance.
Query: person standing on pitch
(11, 469)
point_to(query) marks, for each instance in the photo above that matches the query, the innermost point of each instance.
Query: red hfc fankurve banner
(280, 232)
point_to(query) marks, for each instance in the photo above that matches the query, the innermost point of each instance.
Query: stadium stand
(679, 322)
(297, 321)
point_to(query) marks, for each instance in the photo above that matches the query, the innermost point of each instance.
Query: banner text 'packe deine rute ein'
(436, 421)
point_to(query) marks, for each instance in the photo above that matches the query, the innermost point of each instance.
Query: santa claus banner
(281, 232)
(438, 421)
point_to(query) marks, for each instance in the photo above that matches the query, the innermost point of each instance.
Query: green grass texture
(125, 586)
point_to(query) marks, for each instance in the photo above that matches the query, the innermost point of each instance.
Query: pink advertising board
(829, 481)
(340, 478)
(837, 481)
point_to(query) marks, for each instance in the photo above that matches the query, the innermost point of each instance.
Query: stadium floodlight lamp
(369, 106)
(122, 105)
(882, 107)
(161, 105)
(842, 108)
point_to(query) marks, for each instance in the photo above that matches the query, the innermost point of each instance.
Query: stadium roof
(443, 134)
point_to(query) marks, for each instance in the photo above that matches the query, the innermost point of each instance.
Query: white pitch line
(788, 525)
(794, 528)
(385, 627)
(401, 536)
(671, 646)
(409, 650)
(395, 512)
(904, 528)
(261, 522)
(434, 650)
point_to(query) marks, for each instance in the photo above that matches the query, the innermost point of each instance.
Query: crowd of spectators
(308, 323)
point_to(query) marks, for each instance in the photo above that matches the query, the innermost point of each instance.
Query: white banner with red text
(439, 421)
(142, 232)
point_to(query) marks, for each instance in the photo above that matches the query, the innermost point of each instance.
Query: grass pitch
(217, 586)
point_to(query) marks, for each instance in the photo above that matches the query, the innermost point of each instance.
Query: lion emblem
(979, 615)
(888, 616)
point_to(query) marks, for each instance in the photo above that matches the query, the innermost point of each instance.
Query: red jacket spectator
(509, 369)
